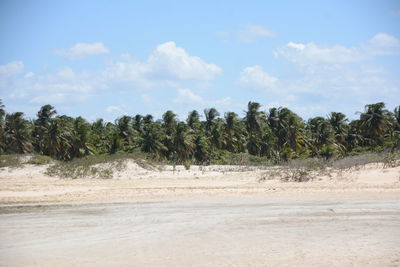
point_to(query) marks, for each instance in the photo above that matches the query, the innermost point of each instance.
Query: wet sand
(234, 232)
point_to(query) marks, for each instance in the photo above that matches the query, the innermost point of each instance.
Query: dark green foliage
(258, 137)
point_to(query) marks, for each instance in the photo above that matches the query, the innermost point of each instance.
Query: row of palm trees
(279, 134)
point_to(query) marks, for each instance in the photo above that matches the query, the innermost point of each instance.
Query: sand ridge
(30, 184)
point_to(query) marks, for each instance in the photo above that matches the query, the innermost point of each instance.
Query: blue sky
(111, 58)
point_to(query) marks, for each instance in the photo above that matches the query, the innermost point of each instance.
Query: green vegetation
(17, 160)
(95, 166)
(259, 138)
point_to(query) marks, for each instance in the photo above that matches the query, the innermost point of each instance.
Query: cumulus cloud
(11, 69)
(83, 50)
(168, 60)
(255, 77)
(9, 73)
(168, 66)
(332, 77)
(248, 34)
(186, 96)
(313, 54)
(384, 44)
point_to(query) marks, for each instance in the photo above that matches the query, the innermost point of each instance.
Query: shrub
(14, 160)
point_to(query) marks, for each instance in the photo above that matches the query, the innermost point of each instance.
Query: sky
(105, 59)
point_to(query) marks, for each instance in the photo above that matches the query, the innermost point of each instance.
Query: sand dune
(29, 184)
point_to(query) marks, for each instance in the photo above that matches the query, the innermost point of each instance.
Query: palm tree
(321, 131)
(41, 129)
(184, 145)
(375, 122)
(288, 129)
(2, 110)
(210, 114)
(169, 124)
(253, 117)
(127, 133)
(151, 141)
(138, 123)
(396, 127)
(193, 119)
(60, 138)
(80, 142)
(17, 133)
(98, 136)
(339, 124)
(235, 138)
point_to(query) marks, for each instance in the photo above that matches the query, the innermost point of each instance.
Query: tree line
(278, 134)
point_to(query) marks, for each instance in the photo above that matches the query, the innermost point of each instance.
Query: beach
(204, 216)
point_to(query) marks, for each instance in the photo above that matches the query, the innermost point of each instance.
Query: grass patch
(12, 161)
(39, 160)
(241, 159)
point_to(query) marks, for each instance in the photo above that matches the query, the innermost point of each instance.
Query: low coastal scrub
(96, 166)
(303, 170)
(17, 160)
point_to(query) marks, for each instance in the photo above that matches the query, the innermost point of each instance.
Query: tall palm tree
(234, 130)
(253, 117)
(98, 136)
(127, 133)
(375, 122)
(184, 145)
(396, 127)
(169, 124)
(321, 131)
(80, 142)
(151, 141)
(193, 119)
(17, 133)
(2, 110)
(339, 124)
(60, 138)
(41, 129)
(288, 129)
(138, 123)
(211, 114)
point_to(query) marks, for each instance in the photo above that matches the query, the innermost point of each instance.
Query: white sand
(29, 184)
(205, 216)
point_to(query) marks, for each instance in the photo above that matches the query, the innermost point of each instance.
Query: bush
(13, 161)
(39, 160)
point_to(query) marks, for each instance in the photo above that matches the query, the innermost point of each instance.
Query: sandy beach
(205, 216)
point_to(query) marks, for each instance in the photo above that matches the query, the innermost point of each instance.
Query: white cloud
(29, 75)
(331, 77)
(251, 33)
(384, 44)
(11, 69)
(169, 61)
(255, 77)
(8, 75)
(313, 54)
(186, 96)
(82, 50)
(168, 66)
(113, 109)
(247, 34)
